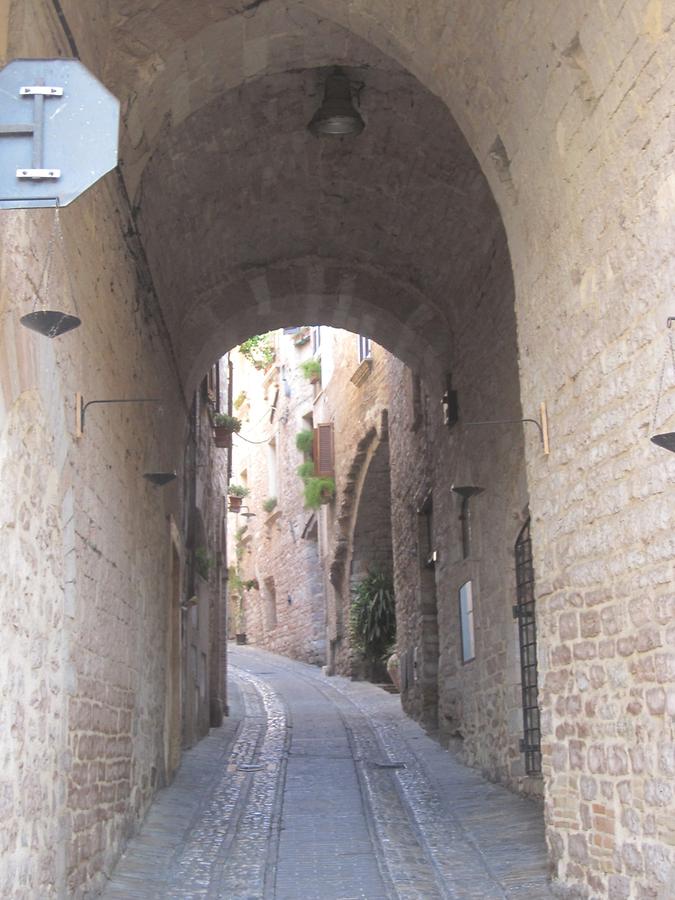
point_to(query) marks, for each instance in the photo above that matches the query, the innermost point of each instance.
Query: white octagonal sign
(58, 132)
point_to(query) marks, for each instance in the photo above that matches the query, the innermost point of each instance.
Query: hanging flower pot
(311, 369)
(236, 494)
(222, 437)
(302, 337)
(224, 427)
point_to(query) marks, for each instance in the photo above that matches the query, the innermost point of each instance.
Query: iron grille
(527, 631)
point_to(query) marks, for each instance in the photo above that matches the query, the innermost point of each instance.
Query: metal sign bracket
(37, 171)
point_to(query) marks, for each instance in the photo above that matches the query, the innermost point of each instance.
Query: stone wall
(89, 729)
(475, 705)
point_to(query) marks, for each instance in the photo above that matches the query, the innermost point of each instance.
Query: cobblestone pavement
(321, 789)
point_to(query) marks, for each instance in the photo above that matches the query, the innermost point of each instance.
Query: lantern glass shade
(337, 114)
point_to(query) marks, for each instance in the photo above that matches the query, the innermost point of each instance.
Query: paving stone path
(321, 789)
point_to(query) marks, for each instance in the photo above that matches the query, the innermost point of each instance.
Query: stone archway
(566, 112)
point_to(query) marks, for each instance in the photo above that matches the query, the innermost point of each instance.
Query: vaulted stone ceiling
(250, 222)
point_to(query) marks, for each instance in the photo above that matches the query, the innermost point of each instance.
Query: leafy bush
(269, 504)
(318, 491)
(203, 562)
(237, 490)
(232, 423)
(304, 441)
(258, 350)
(372, 617)
(305, 470)
(311, 369)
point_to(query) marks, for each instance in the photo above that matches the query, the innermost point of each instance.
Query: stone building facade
(533, 141)
(275, 593)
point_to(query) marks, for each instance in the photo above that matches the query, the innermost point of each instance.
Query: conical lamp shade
(50, 322)
(665, 440)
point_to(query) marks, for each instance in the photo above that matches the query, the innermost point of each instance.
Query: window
(466, 621)
(323, 452)
(316, 339)
(269, 596)
(272, 468)
(365, 348)
(527, 635)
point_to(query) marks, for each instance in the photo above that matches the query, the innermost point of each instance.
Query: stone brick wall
(87, 542)
(475, 705)
(358, 410)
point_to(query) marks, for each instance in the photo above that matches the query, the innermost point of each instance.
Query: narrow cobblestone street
(321, 788)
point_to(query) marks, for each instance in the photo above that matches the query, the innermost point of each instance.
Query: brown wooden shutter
(324, 459)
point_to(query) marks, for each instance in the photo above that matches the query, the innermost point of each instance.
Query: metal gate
(527, 631)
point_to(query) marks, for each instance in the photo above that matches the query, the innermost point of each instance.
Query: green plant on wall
(304, 441)
(270, 504)
(240, 400)
(235, 590)
(203, 562)
(259, 350)
(237, 490)
(231, 423)
(372, 617)
(311, 369)
(305, 470)
(318, 491)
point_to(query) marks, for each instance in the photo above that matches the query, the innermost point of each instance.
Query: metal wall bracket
(41, 89)
(542, 426)
(81, 408)
(37, 171)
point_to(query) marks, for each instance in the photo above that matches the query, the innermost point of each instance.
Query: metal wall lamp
(542, 426)
(81, 408)
(159, 479)
(337, 115)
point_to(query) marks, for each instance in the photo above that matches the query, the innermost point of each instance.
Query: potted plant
(305, 470)
(311, 369)
(372, 621)
(302, 336)
(270, 504)
(318, 491)
(236, 493)
(224, 426)
(304, 441)
(259, 350)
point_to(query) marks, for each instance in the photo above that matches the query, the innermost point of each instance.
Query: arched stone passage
(388, 234)
(566, 108)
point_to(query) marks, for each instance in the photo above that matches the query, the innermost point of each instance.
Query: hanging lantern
(665, 439)
(48, 321)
